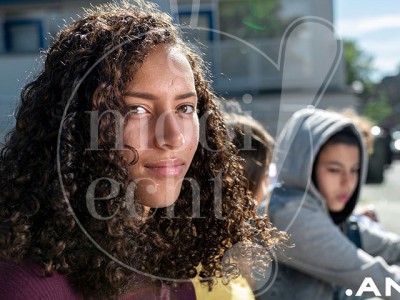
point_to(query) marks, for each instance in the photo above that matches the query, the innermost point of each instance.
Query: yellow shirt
(237, 289)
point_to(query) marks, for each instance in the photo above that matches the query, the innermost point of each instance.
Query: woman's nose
(347, 179)
(168, 132)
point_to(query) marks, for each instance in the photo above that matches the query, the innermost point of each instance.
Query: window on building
(251, 19)
(22, 36)
(203, 29)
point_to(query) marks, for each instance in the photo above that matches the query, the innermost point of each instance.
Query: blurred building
(273, 56)
(390, 86)
(26, 28)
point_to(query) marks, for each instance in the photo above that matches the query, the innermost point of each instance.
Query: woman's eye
(333, 170)
(138, 110)
(186, 109)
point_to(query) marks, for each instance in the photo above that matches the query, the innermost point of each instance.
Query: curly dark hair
(257, 155)
(46, 167)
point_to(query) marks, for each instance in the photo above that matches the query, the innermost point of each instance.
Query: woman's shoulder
(285, 198)
(27, 281)
(294, 210)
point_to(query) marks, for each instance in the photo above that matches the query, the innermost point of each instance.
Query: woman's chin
(160, 200)
(336, 208)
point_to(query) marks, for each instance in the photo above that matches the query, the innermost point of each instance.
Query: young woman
(119, 180)
(321, 161)
(254, 144)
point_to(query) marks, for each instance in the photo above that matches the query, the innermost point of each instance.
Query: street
(386, 198)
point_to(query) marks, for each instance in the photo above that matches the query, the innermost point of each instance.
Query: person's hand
(368, 211)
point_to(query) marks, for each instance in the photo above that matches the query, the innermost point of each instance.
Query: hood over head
(298, 145)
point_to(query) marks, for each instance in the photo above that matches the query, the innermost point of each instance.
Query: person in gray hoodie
(321, 161)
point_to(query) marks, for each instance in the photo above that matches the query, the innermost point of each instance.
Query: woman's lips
(344, 198)
(166, 167)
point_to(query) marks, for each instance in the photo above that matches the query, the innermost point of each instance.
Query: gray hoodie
(322, 257)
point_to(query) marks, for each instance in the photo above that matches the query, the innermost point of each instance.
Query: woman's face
(337, 174)
(162, 125)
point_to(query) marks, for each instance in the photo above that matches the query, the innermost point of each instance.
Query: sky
(375, 26)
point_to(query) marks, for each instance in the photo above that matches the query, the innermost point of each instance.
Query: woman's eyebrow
(336, 163)
(186, 95)
(149, 96)
(141, 95)
(333, 162)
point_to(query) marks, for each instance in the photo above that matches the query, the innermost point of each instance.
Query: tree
(379, 109)
(358, 65)
(358, 69)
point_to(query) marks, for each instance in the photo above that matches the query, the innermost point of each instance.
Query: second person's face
(162, 125)
(337, 174)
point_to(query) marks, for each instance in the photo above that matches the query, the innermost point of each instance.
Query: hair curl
(87, 69)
